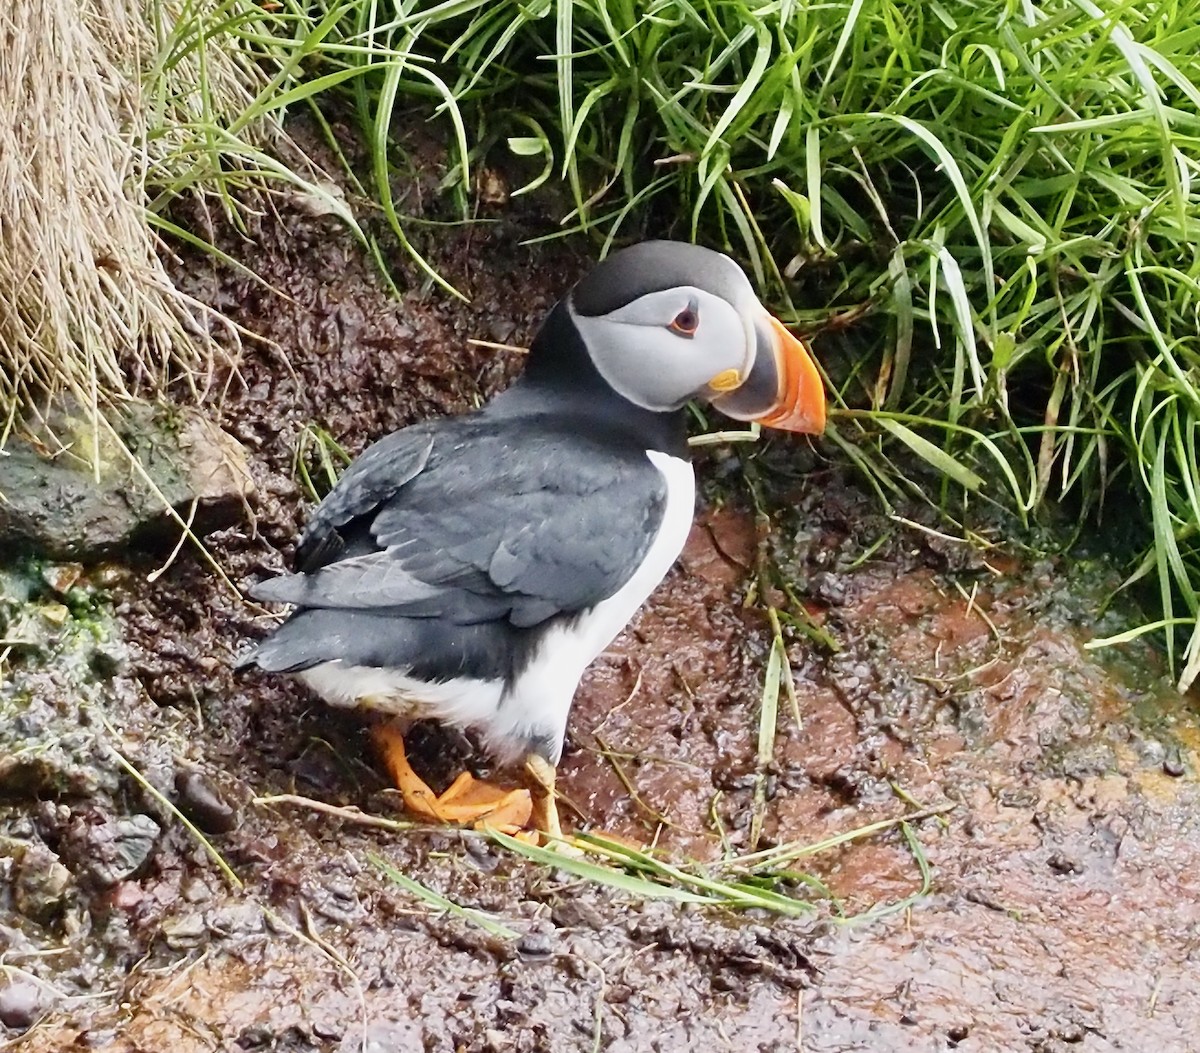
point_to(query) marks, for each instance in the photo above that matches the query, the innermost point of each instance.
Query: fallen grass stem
(611, 755)
(665, 880)
(210, 850)
(440, 903)
(788, 676)
(786, 853)
(345, 813)
(768, 719)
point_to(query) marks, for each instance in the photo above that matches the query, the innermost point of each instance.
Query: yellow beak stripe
(726, 380)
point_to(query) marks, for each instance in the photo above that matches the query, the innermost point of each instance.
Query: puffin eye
(686, 322)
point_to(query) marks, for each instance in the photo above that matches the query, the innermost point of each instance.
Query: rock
(125, 896)
(55, 506)
(203, 803)
(1061, 863)
(22, 1001)
(1088, 758)
(61, 578)
(117, 848)
(536, 944)
(184, 931)
(237, 919)
(576, 914)
(65, 762)
(194, 890)
(41, 884)
(329, 1029)
(108, 658)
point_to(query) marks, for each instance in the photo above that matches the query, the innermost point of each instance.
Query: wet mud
(1044, 896)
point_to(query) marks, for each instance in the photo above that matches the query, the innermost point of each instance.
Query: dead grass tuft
(109, 97)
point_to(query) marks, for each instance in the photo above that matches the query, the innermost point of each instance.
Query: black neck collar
(561, 371)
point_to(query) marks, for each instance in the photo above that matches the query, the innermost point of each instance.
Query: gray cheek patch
(653, 367)
(636, 361)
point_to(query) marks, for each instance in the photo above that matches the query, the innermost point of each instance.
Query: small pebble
(338, 902)
(108, 658)
(119, 848)
(126, 895)
(1020, 797)
(576, 914)
(194, 890)
(618, 994)
(62, 577)
(21, 1002)
(1173, 763)
(110, 575)
(54, 613)
(236, 920)
(255, 1037)
(42, 885)
(203, 803)
(1071, 1032)
(183, 932)
(1061, 863)
(329, 1030)
(536, 945)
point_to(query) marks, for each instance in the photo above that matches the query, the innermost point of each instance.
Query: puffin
(470, 568)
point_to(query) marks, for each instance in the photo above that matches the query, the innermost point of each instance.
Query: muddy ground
(1055, 788)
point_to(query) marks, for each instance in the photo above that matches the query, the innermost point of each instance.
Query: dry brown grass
(103, 98)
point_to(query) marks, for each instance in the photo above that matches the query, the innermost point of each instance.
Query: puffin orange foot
(468, 800)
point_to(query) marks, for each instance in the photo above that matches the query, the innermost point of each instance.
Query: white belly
(540, 699)
(463, 701)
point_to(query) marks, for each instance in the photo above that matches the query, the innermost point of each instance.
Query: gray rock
(117, 848)
(236, 919)
(22, 1001)
(62, 577)
(194, 890)
(184, 931)
(55, 506)
(41, 884)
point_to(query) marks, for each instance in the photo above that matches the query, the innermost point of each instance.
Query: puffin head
(664, 322)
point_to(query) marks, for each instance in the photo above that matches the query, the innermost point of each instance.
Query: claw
(545, 798)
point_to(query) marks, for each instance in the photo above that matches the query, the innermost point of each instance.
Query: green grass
(317, 462)
(985, 213)
(764, 880)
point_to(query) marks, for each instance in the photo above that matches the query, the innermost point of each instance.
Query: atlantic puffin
(469, 569)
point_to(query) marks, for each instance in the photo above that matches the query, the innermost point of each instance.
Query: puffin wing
(492, 525)
(373, 478)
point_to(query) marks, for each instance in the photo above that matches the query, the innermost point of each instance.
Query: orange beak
(783, 388)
